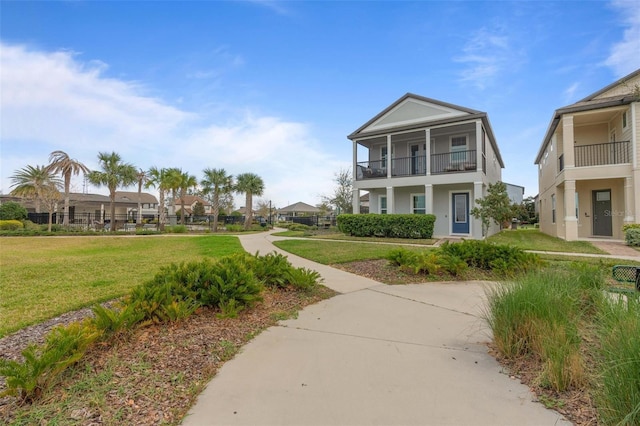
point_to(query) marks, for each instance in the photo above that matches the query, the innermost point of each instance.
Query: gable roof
(299, 207)
(132, 197)
(604, 98)
(414, 112)
(411, 111)
(192, 199)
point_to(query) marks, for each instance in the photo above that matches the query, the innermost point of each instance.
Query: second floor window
(458, 149)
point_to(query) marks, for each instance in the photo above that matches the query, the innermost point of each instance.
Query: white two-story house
(422, 155)
(589, 164)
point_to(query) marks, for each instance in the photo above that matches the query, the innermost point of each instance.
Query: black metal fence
(124, 222)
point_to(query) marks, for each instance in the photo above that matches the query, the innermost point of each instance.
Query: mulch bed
(172, 363)
(155, 373)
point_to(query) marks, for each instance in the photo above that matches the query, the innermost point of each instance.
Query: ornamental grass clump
(539, 315)
(618, 328)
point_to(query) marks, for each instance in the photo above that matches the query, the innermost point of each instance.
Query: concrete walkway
(373, 355)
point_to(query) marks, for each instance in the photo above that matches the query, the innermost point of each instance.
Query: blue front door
(460, 213)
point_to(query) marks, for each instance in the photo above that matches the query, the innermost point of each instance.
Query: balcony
(449, 162)
(600, 154)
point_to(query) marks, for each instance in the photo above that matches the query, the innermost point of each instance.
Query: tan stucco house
(421, 155)
(589, 165)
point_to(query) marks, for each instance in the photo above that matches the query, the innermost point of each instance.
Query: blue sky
(274, 87)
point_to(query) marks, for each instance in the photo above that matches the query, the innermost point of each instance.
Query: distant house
(589, 164)
(421, 155)
(298, 209)
(190, 203)
(515, 193)
(87, 208)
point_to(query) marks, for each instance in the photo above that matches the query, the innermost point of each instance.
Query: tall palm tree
(186, 181)
(114, 173)
(173, 181)
(158, 179)
(250, 184)
(33, 183)
(60, 162)
(216, 182)
(142, 178)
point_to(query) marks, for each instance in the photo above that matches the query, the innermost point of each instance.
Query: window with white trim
(553, 208)
(624, 120)
(458, 148)
(383, 204)
(418, 205)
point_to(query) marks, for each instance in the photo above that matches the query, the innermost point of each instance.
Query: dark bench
(627, 274)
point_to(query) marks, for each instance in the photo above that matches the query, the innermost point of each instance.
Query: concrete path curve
(373, 355)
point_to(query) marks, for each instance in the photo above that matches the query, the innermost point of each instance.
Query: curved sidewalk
(373, 355)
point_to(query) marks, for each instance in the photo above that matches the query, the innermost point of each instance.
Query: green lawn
(329, 252)
(42, 277)
(531, 239)
(343, 237)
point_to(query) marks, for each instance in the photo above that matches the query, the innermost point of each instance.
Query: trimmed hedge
(11, 225)
(632, 237)
(387, 225)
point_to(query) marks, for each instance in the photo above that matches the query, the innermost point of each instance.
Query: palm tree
(142, 178)
(173, 180)
(114, 173)
(158, 179)
(251, 184)
(33, 183)
(186, 181)
(216, 182)
(59, 162)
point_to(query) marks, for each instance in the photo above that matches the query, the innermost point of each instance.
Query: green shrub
(387, 225)
(271, 269)
(500, 258)
(401, 257)
(632, 237)
(234, 228)
(303, 279)
(63, 347)
(12, 211)
(628, 226)
(112, 320)
(176, 229)
(618, 397)
(11, 225)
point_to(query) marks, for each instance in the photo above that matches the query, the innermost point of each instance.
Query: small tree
(342, 193)
(495, 206)
(12, 211)
(250, 184)
(198, 209)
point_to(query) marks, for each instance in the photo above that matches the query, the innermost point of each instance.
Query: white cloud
(486, 54)
(625, 54)
(569, 93)
(56, 101)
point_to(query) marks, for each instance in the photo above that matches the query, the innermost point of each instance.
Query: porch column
(389, 156)
(568, 142)
(570, 219)
(355, 161)
(629, 213)
(428, 198)
(390, 202)
(476, 229)
(355, 201)
(478, 145)
(427, 150)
